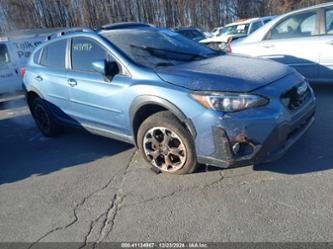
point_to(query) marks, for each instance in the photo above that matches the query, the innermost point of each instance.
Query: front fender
(141, 101)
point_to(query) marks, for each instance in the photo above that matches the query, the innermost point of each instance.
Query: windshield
(241, 29)
(4, 55)
(158, 47)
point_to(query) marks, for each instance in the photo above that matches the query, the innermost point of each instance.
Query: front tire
(44, 118)
(166, 144)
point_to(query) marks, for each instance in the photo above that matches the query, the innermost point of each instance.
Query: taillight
(22, 71)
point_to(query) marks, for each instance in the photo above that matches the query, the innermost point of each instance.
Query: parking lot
(80, 187)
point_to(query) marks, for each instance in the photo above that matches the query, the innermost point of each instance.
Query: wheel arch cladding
(145, 106)
(31, 96)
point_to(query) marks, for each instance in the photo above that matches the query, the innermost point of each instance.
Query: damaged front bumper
(254, 136)
(251, 152)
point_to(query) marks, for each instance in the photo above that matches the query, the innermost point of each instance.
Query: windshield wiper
(164, 64)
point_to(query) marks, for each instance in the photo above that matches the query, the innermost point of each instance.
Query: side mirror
(107, 69)
(99, 66)
(111, 69)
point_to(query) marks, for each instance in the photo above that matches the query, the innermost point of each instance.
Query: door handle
(72, 82)
(39, 78)
(268, 45)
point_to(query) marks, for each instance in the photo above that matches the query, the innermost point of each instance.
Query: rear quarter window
(54, 55)
(37, 56)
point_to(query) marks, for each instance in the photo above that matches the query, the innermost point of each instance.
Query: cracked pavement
(85, 188)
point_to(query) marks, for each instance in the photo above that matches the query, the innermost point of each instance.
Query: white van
(15, 50)
(13, 55)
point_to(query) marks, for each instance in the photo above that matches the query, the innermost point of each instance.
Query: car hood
(221, 38)
(224, 73)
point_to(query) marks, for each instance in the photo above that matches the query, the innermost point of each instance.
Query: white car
(242, 28)
(302, 39)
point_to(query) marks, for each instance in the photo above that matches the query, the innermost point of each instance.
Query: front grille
(293, 99)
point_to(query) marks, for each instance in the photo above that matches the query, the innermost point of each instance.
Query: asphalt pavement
(85, 188)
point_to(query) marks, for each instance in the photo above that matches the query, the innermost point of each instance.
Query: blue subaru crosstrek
(179, 102)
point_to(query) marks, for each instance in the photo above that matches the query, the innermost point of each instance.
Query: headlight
(228, 102)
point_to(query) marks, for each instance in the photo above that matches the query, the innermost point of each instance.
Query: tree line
(205, 14)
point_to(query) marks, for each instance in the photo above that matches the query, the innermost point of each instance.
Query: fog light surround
(243, 148)
(235, 148)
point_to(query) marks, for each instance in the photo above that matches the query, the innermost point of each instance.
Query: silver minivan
(302, 39)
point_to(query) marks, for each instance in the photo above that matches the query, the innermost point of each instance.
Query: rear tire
(166, 144)
(44, 118)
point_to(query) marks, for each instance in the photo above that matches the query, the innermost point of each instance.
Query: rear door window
(300, 25)
(4, 55)
(85, 52)
(54, 55)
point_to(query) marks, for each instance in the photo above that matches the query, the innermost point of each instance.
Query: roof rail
(68, 31)
(124, 25)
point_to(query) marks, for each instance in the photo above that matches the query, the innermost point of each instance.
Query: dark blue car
(179, 102)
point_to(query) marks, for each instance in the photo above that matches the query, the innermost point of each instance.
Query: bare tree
(206, 14)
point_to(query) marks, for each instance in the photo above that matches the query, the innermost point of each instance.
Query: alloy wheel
(164, 149)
